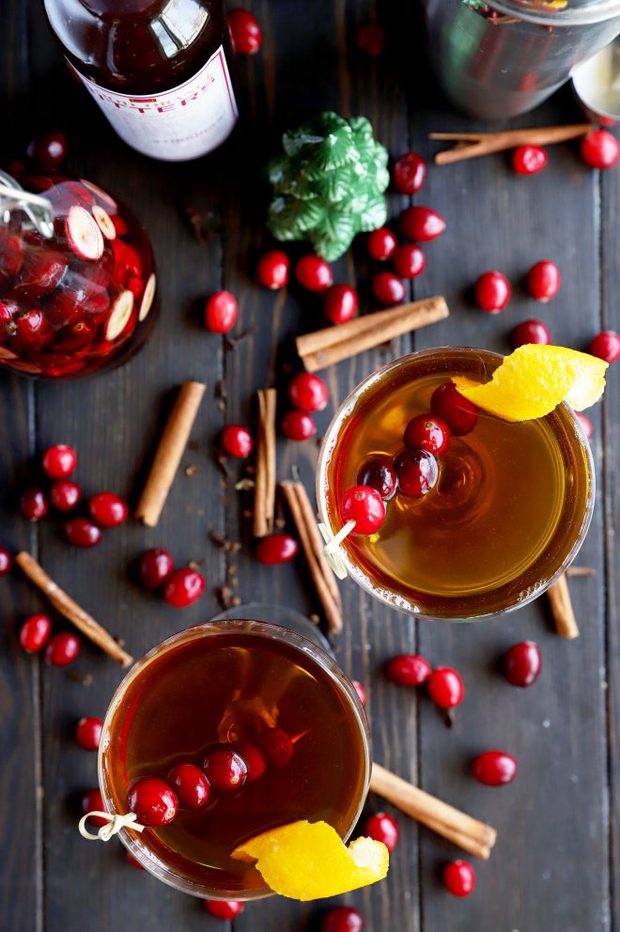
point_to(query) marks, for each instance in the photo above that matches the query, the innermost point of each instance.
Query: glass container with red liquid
(77, 282)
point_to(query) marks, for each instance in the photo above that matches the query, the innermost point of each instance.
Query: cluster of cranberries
(492, 289)
(308, 394)
(60, 649)
(179, 588)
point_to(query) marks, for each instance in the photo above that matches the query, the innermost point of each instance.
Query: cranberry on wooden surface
(409, 260)
(408, 670)
(417, 472)
(342, 919)
(492, 292)
(445, 687)
(108, 509)
(586, 424)
(82, 533)
(34, 633)
(522, 663)
(33, 504)
(381, 243)
(308, 392)
(253, 758)
(278, 746)
(606, 345)
(184, 587)
(221, 312)
(48, 151)
(382, 827)
(422, 223)
(459, 413)
(226, 770)
(298, 425)
(409, 173)
(494, 768)
(544, 280)
(59, 461)
(459, 878)
(364, 505)
(65, 494)
(153, 801)
(360, 689)
(6, 561)
(246, 36)
(388, 288)
(62, 649)
(92, 801)
(276, 548)
(88, 733)
(529, 160)
(237, 441)
(341, 304)
(378, 472)
(224, 909)
(313, 273)
(599, 149)
(371, 39)
(156, 566)
(427, 432)
(530, 331)
(272, 269)
(190, 785)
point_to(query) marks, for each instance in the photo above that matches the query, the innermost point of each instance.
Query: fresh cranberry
(221, 312)
(409, 260)
(409, 173)
(314, 273)
(388, 288)
(278, 746)
(492, 291)
(522, 663)
(226, 770)
(190, 785)
(445, 687)
(92, 801)
(308, 392)
(599, 149)
(65, 495)
(530, 331)
(59, 461)
(153, 801)
(494, 768)
(11, 256)
(606, 345)
(6, 561)
(34, 633)
(237, 441)
(342, 919)
(88, 733)
(408, 670)
(341, 303)
(529, 160)
(429, 433)
(298, 425)
(417, 472)
(40, 273)
(82, 533)
(544, 280)
(459, 413)
(49, 151)
(108, 509)
(253, 758)
(364, 505)
(422, 223)
(378, 472)
(224, 909)
(33, 504)
(272, 271)
(62, 649)
(246, 36)
(381, 243)
(371, 39)
(156, 567)
(276, 548)
(360, 689)
(586, 424)
(184, 587)
(459, 878)
(382, 827)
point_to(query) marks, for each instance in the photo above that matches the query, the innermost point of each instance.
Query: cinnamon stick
(487, 143)
(169, 452)
(265, 482)
(461, 829)
(562, 608)
(71, 610)
(580, 571)
(326, 347)
(312, 545)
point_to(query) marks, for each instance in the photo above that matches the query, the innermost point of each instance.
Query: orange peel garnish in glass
(533, 380)
(309, 860)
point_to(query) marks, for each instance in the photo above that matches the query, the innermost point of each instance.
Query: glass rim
(589, 13)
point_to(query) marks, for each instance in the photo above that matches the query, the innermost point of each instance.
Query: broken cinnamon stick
(562, 608)
(265, 481)
(472, 145)
(71, 610)
(169, 452)
(326, 347)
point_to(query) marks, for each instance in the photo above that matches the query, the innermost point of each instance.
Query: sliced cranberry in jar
(11, 257)
(32, 331)
(40, 273)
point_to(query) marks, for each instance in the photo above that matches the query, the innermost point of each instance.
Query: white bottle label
(182, 123)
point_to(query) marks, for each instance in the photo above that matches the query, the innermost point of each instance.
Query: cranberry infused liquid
(270, 721)
(481, 524)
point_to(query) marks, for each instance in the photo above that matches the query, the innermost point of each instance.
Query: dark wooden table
(556, 864)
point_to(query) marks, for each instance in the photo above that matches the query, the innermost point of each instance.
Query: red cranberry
(298, 425)
(92, 801)
(254, 760)
(409, 173)
(522, 663)
(360, 689)
(108, 509)
(224, 909)
(428, 433)
(371, 39)
(62, 649)
(599, 149)
(544, 280)
(276, 548)
(422, 223)
(156, 567)
(445, 687)
(314, 273)
(409, 260)
(308, 392)
(237, 441)
(378, 472)
(459, 878)
(153, 801)
(382, 827)
(272, 271)
(494, 768)
(278, 746)
(6, 561)
(49, 151)
(190, 785)
(459, 413)
(184, 587)
(417, 472)
(226, 770)
(381, 243)
(530, 331)
(529, 160)
(606, 345)
(492, 292)
(364, 505)
(246, 36)
(34, 633)
(41, 272)
(82, 533)
(586, 424)
(59, 461)
(32, 330)
(408, 670)
(341, 303)
(88, 733)
(65, 495)
(221, 312)
(33, 504)
(388, 288)
(342, 919)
